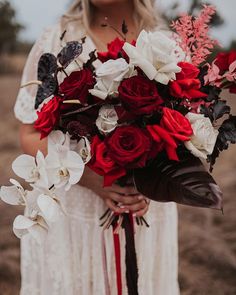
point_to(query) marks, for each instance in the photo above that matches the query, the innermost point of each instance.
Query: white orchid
(32, 170)
(61, 167)
(50, 207)
(156, 54)
(109, 75)
(13, 195)
(64, 167)
(32, 222)
(35, 225)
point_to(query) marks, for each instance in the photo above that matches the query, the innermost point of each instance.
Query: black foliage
(47, 69)
(227, 134)
(216, 111)
(213, 92)
(47, 66)
(48, 87)
(91, 60)
(185, 182)
(70, 52)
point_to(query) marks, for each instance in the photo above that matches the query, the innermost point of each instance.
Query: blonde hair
(144, 14)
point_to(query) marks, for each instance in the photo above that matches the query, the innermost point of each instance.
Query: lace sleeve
(24, 107)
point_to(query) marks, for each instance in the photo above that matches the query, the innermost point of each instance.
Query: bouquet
(145, 113)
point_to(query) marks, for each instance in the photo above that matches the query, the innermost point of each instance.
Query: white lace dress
(70, 261)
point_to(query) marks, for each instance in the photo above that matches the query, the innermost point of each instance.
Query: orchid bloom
(13, 195)
(64, 167)
(32, 170)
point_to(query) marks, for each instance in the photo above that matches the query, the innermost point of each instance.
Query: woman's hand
(118, 199)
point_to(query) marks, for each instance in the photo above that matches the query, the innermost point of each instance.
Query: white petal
(23, 166)
(56, 137)
(22, 222)
(16, 183)
(137, 59)
(98, 93)
(197, 153)
(11, 195)
(20, 232)
(75, 166)
(49, 207)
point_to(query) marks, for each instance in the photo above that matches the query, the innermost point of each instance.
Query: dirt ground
(207, 239)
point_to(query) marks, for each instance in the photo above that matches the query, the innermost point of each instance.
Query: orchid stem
(34, 82)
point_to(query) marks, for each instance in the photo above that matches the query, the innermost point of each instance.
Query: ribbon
(116, 239)
(104, 262)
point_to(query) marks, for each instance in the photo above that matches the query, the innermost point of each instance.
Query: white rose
(109, 75)
(204, 136)
(156, 54)
(107, 119)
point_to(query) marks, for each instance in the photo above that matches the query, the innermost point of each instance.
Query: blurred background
(207, 239)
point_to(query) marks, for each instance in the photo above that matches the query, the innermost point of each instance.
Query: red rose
(187, 85)
(102, 163)
(139, 95)
(224, 60)
(129, 146)
(48, 117)
(77, 85)
(163, 140)
(115, 50)
(176, 124)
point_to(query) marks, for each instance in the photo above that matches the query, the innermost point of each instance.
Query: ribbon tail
(104, 262)
(130, 256)
(116, 239)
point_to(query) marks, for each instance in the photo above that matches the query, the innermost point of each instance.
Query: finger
(114, 207)
(142, 212)
(127, 190)
(136, 207)
(125, 200)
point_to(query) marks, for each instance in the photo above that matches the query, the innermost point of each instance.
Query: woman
(70, 261)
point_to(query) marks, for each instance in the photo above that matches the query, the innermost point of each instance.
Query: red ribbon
(116, 239)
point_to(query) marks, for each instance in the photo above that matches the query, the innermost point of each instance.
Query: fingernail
(134, 214)
(127, 211)
(140, 197)
(122, 207)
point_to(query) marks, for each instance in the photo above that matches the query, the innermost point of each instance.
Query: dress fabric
(70, 260)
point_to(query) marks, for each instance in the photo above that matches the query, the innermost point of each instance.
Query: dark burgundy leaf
(47, 66)
(70, 52)
(216, 111)
(227, 135)
(49, 87)
(184, 182)
(228, 130)
(89, 63)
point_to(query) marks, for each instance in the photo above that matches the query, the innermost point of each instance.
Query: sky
(38, 14)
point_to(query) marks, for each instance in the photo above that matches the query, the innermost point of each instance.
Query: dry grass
(207, 238)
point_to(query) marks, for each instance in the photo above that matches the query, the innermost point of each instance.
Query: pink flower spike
(193, 34)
